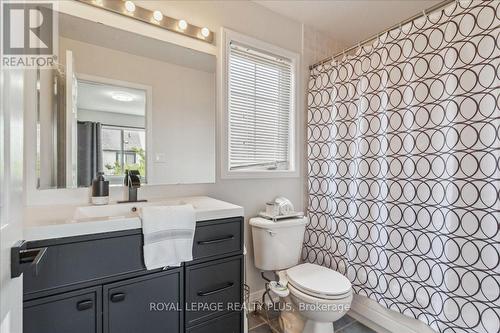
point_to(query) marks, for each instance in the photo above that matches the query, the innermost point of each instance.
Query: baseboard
(383, 320)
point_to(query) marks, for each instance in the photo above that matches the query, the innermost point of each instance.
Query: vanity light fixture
(130, 6)
(155, 17)
(122, 96)
(183, 24)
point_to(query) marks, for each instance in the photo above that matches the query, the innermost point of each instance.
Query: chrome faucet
(133, 181)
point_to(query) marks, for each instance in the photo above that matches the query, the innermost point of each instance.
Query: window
(123, 148)
(260, 106)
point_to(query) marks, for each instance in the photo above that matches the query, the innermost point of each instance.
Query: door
(11, 200)
(75, 312)
(150, 304)
(71, 121)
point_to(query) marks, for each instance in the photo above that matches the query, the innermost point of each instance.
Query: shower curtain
(403, 168)
(89, 154)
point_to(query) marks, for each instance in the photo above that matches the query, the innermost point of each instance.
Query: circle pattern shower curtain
(404, 175)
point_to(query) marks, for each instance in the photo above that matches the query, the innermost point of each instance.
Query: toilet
(317, 296)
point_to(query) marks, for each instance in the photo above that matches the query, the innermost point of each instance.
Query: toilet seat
(318, 282)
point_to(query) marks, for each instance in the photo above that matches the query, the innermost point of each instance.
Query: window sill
(255, 174)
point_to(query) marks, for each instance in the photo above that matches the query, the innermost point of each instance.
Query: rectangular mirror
(119, 101)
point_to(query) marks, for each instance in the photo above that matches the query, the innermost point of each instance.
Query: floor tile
(254, 320)
(261, 329)
(343, 322)
(356, 327)
(275, 325)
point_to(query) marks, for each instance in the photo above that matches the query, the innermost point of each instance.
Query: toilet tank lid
(318, 279)
(261, 222)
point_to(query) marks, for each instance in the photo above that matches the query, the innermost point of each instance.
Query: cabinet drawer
(213, 238)
(213, 288)
(152, 304)
(75, 312)
(230, 323)
(75, 262)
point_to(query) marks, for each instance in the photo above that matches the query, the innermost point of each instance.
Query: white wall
(111, 118)
(256, 21)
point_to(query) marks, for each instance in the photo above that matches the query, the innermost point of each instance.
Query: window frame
(226, 173)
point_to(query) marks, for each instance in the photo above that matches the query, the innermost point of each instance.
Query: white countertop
(46, 222)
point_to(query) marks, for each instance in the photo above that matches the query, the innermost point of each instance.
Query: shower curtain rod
(359, 44)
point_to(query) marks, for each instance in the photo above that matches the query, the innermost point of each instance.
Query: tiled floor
(262, 323)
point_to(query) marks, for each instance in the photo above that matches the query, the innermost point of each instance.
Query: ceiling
(348, 21)
(98, 97)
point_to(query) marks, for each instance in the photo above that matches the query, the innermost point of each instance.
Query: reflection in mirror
(111, 131)
(120, 100)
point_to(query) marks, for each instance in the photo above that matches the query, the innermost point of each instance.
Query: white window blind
(260, 105)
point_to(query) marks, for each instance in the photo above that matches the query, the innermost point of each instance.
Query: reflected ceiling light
(183, 24)
(157, 15)
(130, 6)
(205, 32)
(122, 96)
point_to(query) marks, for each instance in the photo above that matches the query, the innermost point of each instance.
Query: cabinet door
(150, 304)
(75, 312)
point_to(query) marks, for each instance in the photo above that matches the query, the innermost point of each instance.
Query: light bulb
(157, 15)
(205, 32)
(182, 24)
(130, 6)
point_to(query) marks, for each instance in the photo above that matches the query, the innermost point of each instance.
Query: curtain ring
(424, 14)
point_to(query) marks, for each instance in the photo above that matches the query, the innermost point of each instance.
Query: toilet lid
(317, 279)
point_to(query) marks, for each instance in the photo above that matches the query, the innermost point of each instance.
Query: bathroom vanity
(90, 281)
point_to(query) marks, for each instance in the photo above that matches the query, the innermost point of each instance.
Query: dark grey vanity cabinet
(229, 323)
(145, 304)
(75, 312)
(98, 284)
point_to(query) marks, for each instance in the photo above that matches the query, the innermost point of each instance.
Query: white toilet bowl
(319, 295)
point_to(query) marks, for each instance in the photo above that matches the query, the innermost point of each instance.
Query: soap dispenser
(100, 190)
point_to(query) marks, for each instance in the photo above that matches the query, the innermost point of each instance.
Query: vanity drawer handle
(118, 297)
(84, 305)
(216, 240)
(215, 291)
(33, 257)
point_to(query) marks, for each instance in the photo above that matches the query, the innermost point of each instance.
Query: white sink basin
(46, 222)
(117, 211)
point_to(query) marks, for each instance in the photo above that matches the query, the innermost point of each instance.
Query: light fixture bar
(148, 16)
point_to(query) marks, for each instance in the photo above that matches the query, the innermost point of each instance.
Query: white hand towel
(168, 235)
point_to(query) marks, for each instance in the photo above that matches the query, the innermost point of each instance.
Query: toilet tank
(277, 245)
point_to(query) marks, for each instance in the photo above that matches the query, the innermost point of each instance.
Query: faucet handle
(133, 178)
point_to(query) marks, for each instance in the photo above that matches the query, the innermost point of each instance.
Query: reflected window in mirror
(124, 148)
